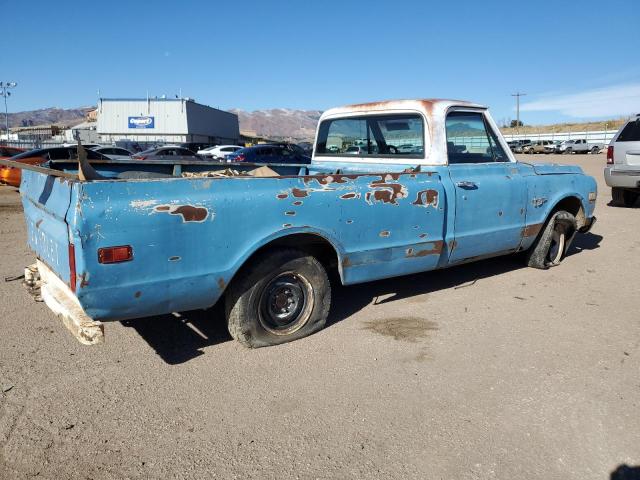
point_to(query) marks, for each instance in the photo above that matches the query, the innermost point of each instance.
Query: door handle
(467, 185)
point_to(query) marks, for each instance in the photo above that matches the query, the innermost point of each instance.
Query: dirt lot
(490, 370)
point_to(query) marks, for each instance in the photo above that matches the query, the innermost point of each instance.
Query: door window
(471, 140)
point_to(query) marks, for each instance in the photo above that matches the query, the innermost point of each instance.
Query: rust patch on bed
(282, 196)
(350, 195)
(189, 213)
(299, 193)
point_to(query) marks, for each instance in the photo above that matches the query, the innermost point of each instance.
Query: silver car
(622, 172)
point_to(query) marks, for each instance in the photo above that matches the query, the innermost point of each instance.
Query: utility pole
(4, 92)
(518, 95)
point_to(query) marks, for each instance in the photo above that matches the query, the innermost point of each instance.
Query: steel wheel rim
(285, 303)
(556, 249)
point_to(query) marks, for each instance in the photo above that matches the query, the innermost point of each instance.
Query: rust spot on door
(531, 230)
(452, 245)
(385, 233)
(426, 198)
(298, 203)
(436, 249)
(137, 294)
(282, 196)
(349, 195)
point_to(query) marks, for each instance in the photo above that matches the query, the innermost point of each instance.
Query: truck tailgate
(46, 200)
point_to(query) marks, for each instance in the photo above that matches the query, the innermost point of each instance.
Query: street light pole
(518, 95)
(4, 91)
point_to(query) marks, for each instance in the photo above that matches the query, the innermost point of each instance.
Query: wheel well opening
(314, 245)
(573, 205)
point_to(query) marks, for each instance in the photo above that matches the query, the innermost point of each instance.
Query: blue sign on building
(141, 122)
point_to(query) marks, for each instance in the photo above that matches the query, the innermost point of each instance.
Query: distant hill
(280, 122)
(45, 116)
(274, 123)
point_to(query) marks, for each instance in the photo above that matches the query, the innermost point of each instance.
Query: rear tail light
(238, 158)
(122, 253)
(72, 267)
(139, 157)
(610, 155)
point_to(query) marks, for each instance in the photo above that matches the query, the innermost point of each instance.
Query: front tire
(282, 296)
(552, 244)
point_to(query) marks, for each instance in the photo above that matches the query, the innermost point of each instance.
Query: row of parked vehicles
(262, 154)
(555, 146)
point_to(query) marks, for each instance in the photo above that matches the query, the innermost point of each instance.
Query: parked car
(195, 146)
(520, 146)
(85, 145)
(539, 146)
(219, 152)
(11, 175)
(270, 153)
(579, 146)
(553, 146)
(114, 153)
(7, 152)
(622, 172)
(268, 246)
(167, 153)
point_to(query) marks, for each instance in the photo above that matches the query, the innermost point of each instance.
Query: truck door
(490, 194)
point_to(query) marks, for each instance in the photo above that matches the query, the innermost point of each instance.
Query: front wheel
(623, 197)
(283, 295)
(594, 150)
(551, 246)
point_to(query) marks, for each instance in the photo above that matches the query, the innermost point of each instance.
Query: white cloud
(613, 101)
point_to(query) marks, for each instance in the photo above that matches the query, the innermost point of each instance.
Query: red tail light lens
(139, 157)
(610, 155)
(238, 158)
(122, 253)
(72, 267)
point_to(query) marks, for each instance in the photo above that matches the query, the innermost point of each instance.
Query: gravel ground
(490, 370)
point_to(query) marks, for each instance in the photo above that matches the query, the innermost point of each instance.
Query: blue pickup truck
(431, 184)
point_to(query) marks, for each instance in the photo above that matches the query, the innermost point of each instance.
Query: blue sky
(575, 60)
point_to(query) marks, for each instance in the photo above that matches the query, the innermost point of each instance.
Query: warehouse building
(164, 120)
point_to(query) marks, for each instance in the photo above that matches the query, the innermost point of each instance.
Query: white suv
(622, 173)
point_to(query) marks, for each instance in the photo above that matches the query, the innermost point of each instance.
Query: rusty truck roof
(426, 105)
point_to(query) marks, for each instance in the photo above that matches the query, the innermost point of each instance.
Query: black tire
(568, 151)
(552, 243)
(623, 198)
(594, 150)
(283, 295)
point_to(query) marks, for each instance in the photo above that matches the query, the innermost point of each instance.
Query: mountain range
(275, 123)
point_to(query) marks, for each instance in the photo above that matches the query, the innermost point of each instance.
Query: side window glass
(338, 136)
(497, 151)
(467, 138)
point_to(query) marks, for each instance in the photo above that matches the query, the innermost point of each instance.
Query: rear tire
(594, 150)
(552, 244)
(283, 295)
(568, 151)
(623, 198)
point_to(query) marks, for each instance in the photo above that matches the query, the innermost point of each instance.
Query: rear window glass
(630, 132)
(399, 135)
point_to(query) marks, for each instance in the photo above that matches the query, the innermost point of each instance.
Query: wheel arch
(321, 246)
(572, 203)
